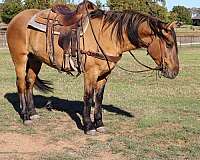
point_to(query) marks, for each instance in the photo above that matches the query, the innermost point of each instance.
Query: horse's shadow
(72, 108)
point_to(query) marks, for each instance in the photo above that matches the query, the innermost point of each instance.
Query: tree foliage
(9, 9)
(39, 4)
(144, 6)
(182, 14)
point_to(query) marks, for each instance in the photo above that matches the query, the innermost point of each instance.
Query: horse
(109, 35)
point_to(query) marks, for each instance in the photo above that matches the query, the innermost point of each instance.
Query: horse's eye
(169, 45)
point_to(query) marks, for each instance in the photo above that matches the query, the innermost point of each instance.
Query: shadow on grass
(72, 108)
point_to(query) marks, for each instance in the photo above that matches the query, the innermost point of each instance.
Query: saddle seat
(48, 16)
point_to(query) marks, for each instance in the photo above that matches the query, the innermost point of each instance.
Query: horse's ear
(172, 25)
(90, 5)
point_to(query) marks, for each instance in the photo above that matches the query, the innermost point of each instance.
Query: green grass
(165, 122)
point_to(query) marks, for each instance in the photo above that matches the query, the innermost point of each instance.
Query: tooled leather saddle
(69, 25)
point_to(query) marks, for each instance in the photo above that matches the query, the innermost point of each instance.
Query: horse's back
(17, 31)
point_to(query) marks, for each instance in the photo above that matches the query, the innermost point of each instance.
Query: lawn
(147, 117)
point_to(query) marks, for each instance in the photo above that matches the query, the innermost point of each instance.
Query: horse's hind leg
(20, 61)
(32, 69)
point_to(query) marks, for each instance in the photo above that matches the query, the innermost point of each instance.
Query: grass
(165, 121)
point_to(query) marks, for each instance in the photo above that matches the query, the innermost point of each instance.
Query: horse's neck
(110, 45)
(126, 45)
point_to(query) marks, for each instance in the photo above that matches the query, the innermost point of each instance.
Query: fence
(181, 40)
(3, 42)
(188, 40)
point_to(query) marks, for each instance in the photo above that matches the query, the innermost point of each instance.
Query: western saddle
(69, 25)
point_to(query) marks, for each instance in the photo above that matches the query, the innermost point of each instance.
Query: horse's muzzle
(171, 74)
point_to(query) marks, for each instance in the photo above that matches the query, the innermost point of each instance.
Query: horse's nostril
(169, 74)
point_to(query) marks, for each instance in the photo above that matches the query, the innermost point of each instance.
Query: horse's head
(163, 50)
(133, 30)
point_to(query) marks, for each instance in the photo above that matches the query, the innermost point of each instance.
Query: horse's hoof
(102, 129)
(28, 122)
(34, 117)
(91, 132)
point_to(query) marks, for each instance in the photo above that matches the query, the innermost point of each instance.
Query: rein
(142, 64)
(158, 68)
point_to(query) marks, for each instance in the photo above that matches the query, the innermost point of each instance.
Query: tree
(39, 4)
(144, 6)
(60, 1)
(10, 8)
(163, 2)
(160, 12)
(182, 14)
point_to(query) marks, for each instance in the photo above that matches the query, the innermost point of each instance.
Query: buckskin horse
(109, 35)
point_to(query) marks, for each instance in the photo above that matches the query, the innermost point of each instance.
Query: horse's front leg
(99, 91)
(89, 84)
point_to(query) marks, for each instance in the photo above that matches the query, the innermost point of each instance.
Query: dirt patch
(109, 156)
(12, 144)
(21, 146)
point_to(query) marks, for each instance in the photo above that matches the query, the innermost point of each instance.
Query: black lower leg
(98, 108)
(88, 102)
(30, 103)
(24, 113)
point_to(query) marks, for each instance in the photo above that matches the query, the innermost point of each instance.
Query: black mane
(129, 22)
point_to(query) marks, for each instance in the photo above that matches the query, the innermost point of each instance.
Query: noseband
(162, 64)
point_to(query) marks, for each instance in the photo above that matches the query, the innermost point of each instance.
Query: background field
(188, 30)
(147, 117)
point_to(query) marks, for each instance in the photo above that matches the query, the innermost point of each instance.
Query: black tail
(43, 85)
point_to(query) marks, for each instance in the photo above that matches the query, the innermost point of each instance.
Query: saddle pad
(43, 27)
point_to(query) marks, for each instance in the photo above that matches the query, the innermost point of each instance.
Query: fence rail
(181, 40)
(3, 41)
(188, 40)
